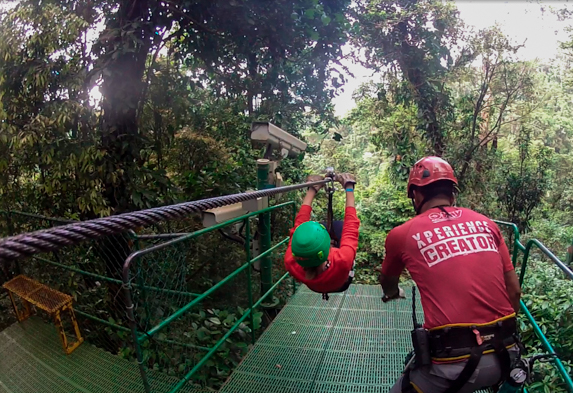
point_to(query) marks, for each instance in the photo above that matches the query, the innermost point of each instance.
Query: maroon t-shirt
(458, 263)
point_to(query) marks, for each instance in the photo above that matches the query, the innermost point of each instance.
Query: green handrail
(138, 337)
(226, 336)
(214, 288)
(518, 246)
(548, 253)
(516, 239)
(547, 345)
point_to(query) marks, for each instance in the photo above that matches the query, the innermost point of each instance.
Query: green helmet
(310, 244)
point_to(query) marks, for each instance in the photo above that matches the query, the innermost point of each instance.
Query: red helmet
(429, 170)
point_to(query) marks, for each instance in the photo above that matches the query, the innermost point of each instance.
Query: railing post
(140, 280)
(293, 218)
(265, 232)
(129, 308)
(249, 279)
(516, 242)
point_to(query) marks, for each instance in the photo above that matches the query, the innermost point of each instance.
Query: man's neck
(314, 273)
(435, 202)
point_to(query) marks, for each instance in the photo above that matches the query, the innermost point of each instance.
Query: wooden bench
(32, 292)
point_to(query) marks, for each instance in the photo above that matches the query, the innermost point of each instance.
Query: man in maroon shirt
(331, 269)
(468, 288)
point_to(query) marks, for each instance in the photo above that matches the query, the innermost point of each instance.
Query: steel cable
(27, 244)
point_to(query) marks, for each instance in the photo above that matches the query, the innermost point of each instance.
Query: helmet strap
(417, 210)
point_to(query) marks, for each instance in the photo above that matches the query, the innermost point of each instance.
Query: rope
(27, 244)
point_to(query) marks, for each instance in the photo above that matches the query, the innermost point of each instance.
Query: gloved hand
(399, 295)
(346, 179)
(313, 178)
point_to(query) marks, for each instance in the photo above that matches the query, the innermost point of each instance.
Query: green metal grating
(353, 343)
(33, 362)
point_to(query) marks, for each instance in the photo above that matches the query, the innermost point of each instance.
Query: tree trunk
(124, 59)
(424, 95)
(122, 90)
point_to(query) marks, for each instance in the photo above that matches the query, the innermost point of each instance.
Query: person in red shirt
(467, 283)
(311, 257)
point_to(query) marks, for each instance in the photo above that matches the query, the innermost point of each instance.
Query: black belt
(452, 342)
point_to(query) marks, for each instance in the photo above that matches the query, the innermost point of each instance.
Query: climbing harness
(454, 343)
(329, 188)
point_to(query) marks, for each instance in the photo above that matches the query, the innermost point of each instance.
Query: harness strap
(406, 385)
(504, 359)
(473, 361)
(467, 372)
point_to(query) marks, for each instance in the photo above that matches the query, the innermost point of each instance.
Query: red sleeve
(393, 263)
(349, 238)
(302, 216)
(502, 248)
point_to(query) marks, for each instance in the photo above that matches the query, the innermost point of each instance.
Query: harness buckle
(479, 339)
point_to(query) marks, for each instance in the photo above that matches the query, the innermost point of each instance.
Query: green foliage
(382, 207)
(548, 295)
(205, 329)
(393, 128)
(414, 37)
(526, 180)
(216, 77)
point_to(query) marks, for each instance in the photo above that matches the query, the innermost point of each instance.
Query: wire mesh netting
(172, 274)
(174, 268)
(90, 273)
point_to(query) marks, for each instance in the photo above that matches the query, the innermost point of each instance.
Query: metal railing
(517, 248)
(130, 281)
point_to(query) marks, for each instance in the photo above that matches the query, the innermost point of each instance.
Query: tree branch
(197, 24)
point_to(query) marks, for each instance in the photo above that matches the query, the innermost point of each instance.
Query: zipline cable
(27, 244)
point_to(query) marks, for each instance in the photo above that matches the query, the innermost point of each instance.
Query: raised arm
(304, 212)
(349, 238)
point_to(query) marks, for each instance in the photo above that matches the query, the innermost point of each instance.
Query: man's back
(457, 260)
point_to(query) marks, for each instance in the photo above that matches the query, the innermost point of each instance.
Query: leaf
(310, 13)
(203, 334)
(214, 320)
(326, 20)
(257, 319)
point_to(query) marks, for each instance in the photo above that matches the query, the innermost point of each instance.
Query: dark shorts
(436, 378)
(346, 284)
(337, 226)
